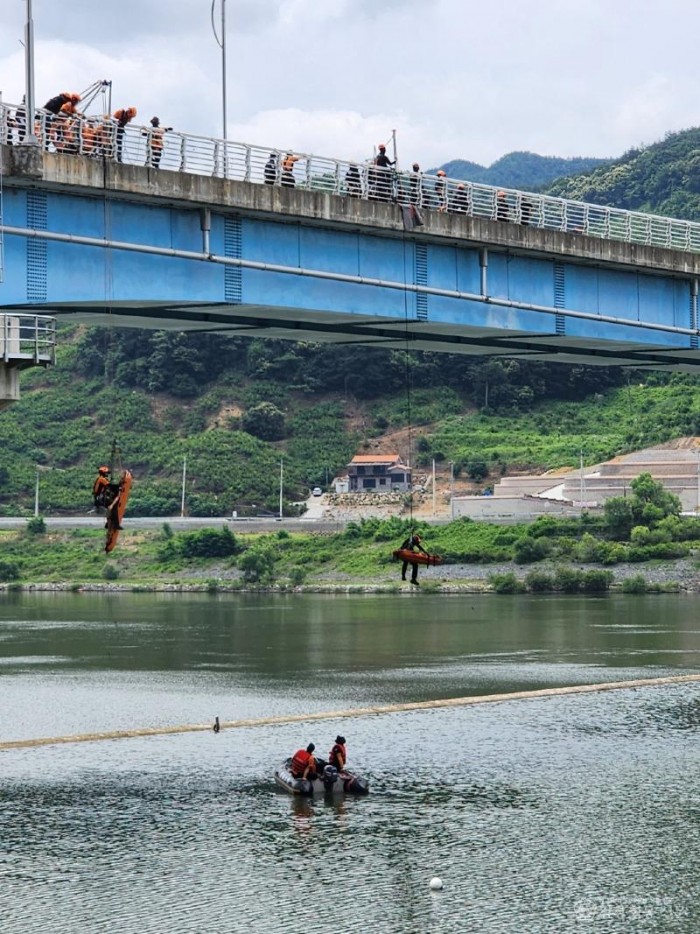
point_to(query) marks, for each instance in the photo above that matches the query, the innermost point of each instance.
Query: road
(178, 524)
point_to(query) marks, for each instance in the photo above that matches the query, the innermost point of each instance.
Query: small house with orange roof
(378, 473)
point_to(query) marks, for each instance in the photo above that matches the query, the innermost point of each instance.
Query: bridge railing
(27, 340)
(167, 149)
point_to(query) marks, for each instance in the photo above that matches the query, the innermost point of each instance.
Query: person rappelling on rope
(103, 490)
(412, 543)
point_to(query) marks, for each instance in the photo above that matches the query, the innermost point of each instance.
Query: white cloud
(456, 80)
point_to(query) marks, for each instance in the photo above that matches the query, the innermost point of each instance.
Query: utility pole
(36, 495)
(434, 490)
(30, 137)
(184, 481)
(581, 481)
(281, 483)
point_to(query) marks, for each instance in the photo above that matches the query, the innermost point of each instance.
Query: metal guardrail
(167, 149)
(27, 340)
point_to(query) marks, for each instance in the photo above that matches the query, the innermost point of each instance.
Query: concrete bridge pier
(9, 384)
(25, 340)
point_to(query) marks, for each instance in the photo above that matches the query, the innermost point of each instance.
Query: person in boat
(338, 756)
(412, 543)
(303, 764)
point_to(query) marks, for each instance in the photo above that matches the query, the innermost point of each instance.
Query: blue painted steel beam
(285, 277)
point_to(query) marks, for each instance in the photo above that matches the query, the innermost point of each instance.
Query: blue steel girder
(108, 259)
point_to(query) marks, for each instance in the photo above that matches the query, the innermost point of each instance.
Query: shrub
(527, 550)
(477, 469)
(635, 584)
(539, 582)
(36, 526)
(568, 580)
(258, 565)
(207, 543)
(597, 581)
(110, 572)
(297, 576)
(9, 571)
(506, 583)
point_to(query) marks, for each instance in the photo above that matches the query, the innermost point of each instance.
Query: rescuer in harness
(303, 764)
(412, 543)
(106, 496)
(103, 492)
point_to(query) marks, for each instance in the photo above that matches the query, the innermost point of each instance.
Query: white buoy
(436, 884)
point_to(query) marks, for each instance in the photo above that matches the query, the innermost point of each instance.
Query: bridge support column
(9, 384)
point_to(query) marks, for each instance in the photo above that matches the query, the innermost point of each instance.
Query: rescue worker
(338, 756)
(271, 170)
(383, 182)
(303, 764)
(502, 208)
(123, 116)
(441, 190)
(288, 170)
(154, 142)
(412, 543)
(56, 103)
(353, 182)
(55, 106)
(100, 488)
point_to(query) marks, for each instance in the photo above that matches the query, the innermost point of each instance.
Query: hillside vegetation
(523, 170)
(663, 178)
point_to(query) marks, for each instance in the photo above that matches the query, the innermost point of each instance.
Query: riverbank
(667, 576)
(477, 558)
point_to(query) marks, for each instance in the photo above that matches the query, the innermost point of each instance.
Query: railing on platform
(167, 149)
(27, 340)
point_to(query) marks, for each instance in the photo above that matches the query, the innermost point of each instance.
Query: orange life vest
(99, 485)
(300, 761)
(335, 755)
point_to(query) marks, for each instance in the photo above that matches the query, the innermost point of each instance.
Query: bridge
(235, 239)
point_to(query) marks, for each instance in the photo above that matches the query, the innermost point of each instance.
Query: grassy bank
(566, 556)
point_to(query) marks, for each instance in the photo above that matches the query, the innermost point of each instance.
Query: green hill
(523, 170)
(663, 178)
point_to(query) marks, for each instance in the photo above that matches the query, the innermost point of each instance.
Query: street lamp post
(30, 136)
(221, 42)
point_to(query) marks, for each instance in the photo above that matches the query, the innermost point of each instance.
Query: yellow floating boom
(352, 712)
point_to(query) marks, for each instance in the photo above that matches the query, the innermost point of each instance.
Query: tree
(265, 421)
(650, 502)
(618, 518)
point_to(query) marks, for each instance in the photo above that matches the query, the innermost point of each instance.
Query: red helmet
(103, 469)
(382, 146)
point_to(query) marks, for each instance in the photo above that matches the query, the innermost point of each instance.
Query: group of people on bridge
(60, 126)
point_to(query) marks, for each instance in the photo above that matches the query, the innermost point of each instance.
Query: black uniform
(412, 543)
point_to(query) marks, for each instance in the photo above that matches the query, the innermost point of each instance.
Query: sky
(456, 79)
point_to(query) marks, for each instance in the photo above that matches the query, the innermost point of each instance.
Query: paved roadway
(188, 523)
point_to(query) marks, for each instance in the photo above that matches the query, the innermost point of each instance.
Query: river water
(565, 814)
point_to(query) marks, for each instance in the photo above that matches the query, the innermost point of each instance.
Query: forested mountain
(663, 178)
(235, 408)
(523, 170)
